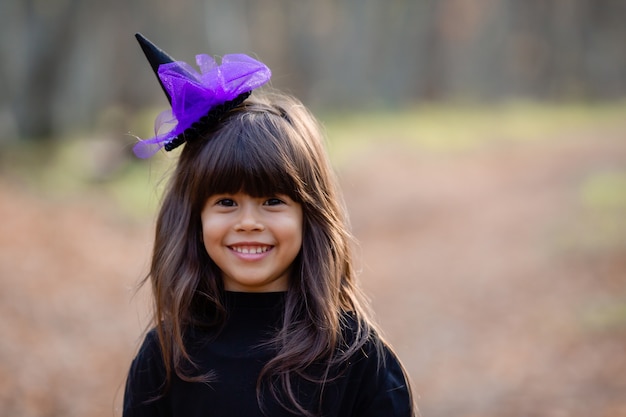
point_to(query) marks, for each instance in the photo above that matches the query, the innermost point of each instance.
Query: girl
(257, 311)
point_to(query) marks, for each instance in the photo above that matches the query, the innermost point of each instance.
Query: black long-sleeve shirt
(363, 389)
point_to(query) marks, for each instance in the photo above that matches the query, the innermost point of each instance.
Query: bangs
(252, 158)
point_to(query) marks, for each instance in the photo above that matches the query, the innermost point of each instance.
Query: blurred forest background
(66, 62)
(481, 145)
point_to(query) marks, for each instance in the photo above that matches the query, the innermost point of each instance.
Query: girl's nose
(249, 220)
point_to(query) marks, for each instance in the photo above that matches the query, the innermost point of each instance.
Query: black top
(364, 389)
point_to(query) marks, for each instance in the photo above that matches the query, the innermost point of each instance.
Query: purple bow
(194, 94)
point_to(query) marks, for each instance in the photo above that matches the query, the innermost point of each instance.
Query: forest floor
(497, 273)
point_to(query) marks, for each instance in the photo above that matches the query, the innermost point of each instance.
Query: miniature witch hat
(156, 57)
(198, 99)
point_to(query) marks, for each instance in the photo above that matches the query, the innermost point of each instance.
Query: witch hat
(198, 100)
(156, 57)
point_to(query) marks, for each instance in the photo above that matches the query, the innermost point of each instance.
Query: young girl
(257, 311)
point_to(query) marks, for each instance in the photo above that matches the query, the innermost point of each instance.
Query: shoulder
(150, 349)
(384, 388)
(362, 339)
(146, 376)
(149, 359)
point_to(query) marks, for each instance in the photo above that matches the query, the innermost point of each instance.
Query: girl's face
(253, 241)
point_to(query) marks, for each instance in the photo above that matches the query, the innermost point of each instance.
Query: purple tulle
(194, 94)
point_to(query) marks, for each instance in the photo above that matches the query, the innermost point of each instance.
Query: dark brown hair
(270, 144)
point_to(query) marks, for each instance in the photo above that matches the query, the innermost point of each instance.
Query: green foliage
(605, 191)
(461, 127)
(608, 315)
(602, 223)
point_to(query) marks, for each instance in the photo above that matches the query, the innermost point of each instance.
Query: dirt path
(484, 277)
(501, 290)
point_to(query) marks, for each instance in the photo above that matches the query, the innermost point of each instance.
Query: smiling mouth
(251, 249)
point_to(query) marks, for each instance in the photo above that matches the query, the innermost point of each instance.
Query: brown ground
(503, 293)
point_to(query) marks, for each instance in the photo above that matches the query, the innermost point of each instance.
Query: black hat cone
(156, 57)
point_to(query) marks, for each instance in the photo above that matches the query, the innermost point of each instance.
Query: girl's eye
(273, 202)
(225, 202)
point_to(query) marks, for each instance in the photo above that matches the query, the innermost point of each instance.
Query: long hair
(268, 145)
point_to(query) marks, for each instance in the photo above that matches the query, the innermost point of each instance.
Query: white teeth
(251, 249)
